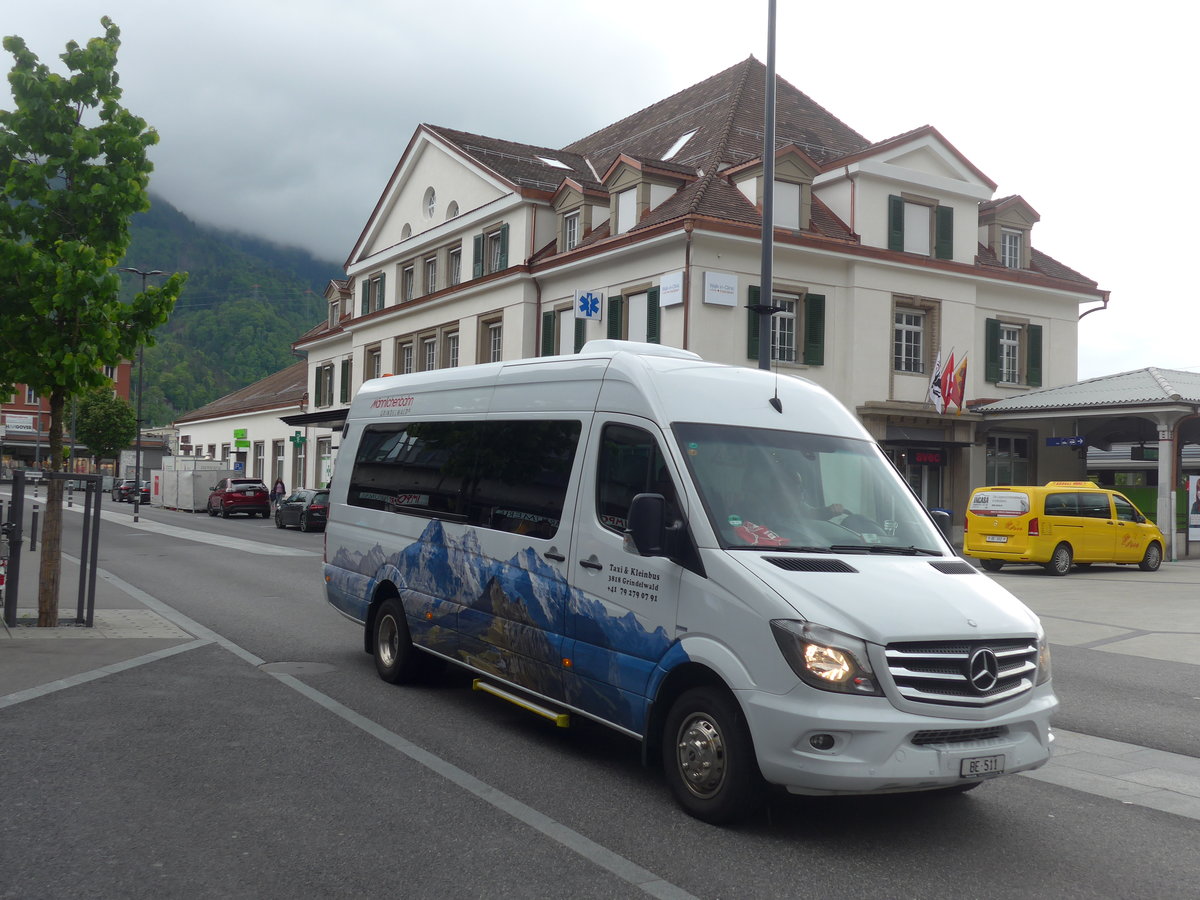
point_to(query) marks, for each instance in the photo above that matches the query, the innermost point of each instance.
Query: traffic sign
(1075, 440)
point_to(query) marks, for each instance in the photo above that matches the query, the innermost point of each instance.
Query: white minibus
(716, 561)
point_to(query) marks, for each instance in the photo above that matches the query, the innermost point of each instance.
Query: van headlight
(1043, 663)
(824, 658)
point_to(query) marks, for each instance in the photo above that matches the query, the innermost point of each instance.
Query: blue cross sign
(589, 305)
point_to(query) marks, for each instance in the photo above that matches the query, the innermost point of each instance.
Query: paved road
(157, 755)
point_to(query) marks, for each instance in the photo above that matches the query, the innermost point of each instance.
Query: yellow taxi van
(1062, 524)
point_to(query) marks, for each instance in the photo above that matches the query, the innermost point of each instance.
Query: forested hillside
(245, 301)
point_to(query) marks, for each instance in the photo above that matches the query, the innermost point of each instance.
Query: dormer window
(571, 231)
(1010, 249)
(626, 210)
(333, 313)
(679, 144)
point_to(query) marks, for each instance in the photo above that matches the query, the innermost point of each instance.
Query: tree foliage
(104, 424)
(74, 169)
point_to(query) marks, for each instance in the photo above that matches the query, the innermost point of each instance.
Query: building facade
(892, 260)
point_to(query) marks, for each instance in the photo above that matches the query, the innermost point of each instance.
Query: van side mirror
(646, 528)
(941, 518)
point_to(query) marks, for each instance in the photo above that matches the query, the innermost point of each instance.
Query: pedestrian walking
(278, 492)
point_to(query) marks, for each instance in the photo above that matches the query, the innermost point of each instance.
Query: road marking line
(613, 862)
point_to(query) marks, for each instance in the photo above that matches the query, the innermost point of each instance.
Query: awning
(326, 418)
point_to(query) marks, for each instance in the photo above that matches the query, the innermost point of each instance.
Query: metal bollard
(33, 524)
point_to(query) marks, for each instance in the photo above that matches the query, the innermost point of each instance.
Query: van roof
(657, 382)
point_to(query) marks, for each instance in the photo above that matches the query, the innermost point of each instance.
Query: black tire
(708, 757)
(1153, 558)
(211, 511)
(396, 659)
(1060, 560)
(992, 565)
(278, 519)
(266, 514)
(304, 522)
(224, 513)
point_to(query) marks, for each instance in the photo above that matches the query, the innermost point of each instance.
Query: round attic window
(406, 232)
(452, 210)
(430, 202)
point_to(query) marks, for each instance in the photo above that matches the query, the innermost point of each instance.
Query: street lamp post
(137, 447)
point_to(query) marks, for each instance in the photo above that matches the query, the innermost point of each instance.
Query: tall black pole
(766, 299)
(137, 447)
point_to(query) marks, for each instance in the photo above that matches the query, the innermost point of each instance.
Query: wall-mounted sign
(19, 424)
(926, 457)
(670, 289)
(1075, 440)
(589, 305)
(720, 288)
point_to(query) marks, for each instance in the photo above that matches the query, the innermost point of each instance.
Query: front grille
(963, 673)
(808, 564)
(956, 736)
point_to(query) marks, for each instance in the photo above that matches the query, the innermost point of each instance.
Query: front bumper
(873, 749)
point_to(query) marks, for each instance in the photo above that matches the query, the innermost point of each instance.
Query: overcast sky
(284, 118)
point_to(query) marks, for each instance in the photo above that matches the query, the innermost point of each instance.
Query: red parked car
(232, 496)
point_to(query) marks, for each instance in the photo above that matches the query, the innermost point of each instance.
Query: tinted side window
(1062, 505)
(1094, 506)
(523, 472)
(630, 464)
(505, 475)
(416, 467)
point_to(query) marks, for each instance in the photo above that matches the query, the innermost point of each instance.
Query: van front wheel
(1153, 558)
(708, 757)
(1060, 561)
(395, 656)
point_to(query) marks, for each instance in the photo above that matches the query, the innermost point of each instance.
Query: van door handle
(554, 555)
(592, 563)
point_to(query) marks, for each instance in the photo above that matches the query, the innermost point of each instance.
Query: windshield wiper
(785, 549)
(884, 548)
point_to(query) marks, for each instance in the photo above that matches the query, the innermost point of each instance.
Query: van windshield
(768, 489)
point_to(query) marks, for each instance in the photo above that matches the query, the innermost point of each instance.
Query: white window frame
(908, 342)
(495, 337)
(784, 335)
(918, 228)
(455, 266)
(1010, 353)
(494, 250)
(452, 350)
(405, 358)
(429, 353)
(407, 276)
(430, 274)
(571, 231)
(1010, 248)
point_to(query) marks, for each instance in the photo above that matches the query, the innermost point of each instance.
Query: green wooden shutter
(580, 333)
(895, 223)
(477, 269)
(379, 289)
(752, 325)
(345, 389)
(503, 248)
(814, 330)
(616, 316)
(943, 245)
(652, 317)
(548, 333)
(366, 297)
(1033, 357)
(991, 350)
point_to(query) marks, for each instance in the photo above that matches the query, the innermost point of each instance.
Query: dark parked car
(123, 490)
(145, 501)
(232, 496)
(307, 509)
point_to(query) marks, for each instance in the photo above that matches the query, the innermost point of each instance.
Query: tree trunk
(51, 543)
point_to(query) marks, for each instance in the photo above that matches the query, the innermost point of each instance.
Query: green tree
(74, 170)
(105, 424)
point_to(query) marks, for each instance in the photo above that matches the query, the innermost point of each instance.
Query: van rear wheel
(708, 756)
(1153, 558)
(992, 565)
(395, 656)
(1060, 560)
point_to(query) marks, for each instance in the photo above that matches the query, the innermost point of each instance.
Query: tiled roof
(283, 389)
(522, 164)
(1137, 388)
(726, 113)
(1039, 262)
